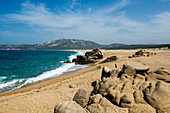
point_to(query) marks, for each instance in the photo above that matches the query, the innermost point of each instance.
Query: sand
(42, 97)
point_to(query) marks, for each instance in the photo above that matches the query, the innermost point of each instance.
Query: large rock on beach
(102, 105)
(105, 72)
(158, 95)
(103, 88)
(69, 107)
(90, 57)
(94, 52)
(81, 97)
(132, 68)
(142, 52)
(110, 59)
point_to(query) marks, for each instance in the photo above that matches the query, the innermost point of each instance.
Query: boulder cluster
(89, 57)
(133, 88)
(142, 53)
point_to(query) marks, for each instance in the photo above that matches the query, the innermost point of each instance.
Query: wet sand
(43, 96)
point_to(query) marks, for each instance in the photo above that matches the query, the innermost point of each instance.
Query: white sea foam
(49, 74)
(11, 83)
(75, 55)
(58, 71)
(1, 78)
(71, 57)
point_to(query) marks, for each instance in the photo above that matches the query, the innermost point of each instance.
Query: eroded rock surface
(142, 52)
(132, 68)
(142, 108)
(158, 96)
(130, 89)
(81, 97)
(102, 105)
(69, 107)
(90, 57)
(110, 59)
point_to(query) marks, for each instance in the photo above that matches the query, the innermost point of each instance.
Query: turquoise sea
(20, 67)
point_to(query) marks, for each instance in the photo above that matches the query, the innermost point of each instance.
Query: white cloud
(75, 3)
(89, 10)
(104, 26)
(114, 7)
(41, 16)
(124, 2)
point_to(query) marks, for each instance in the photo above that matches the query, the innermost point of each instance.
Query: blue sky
(102, 21)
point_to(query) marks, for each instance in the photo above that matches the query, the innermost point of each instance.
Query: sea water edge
(65, 67)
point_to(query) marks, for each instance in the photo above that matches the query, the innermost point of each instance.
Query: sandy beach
(42, 97)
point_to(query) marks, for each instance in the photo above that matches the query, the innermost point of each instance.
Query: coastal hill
(76, 44)
(59, 44)
(68, 44)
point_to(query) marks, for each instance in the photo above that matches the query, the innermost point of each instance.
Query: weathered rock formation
(69, 107)
(100, 104)
(90, 57)
(130, 89)
(142, 53)
(110, 59)
(81, 97)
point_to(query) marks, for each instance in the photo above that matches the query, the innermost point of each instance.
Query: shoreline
(45, 82)
(24, 87)
(65, 75)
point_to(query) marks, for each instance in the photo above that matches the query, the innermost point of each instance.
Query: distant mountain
(56, 44)
(69, 44)
(76, 44)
